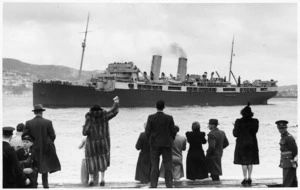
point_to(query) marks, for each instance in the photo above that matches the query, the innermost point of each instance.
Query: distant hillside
(45, 71)
(287, 88)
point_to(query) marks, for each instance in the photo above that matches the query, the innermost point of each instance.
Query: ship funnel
(182, 67)
(155, 67)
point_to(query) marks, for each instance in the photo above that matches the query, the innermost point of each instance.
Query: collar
(5, 140)
(160, 111)
(284, 134)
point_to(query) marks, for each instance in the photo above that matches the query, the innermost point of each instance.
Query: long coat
(178, 147)
(13, 176)
(97, 148)
(246, 148)
(289, 150)
(196, 164)
(217, 141)
(143, 166)
(43, 132)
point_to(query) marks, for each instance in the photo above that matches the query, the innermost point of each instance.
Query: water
(127, 125)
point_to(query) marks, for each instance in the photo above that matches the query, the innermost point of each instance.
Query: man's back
(217, 141)
(41, 129)
(159, 130)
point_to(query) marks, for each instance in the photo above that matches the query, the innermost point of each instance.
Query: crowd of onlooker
(31, 150)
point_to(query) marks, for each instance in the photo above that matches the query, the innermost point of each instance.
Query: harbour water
(127, 125)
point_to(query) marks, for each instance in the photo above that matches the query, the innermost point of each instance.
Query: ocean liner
(139, 89)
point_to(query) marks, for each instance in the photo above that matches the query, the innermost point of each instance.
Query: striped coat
(96, 128)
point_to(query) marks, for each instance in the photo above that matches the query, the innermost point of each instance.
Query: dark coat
(43, 132)
(160, 130)
(217, 141)
(143, 166)
(246, 148)
(13, 176)
(97, 148)
(28, 160)
(196, 165)
(288, 149)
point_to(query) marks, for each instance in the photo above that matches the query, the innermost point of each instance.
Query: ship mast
(230, 72)
(83, 46)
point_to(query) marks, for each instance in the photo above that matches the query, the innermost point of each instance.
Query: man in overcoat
(217, 141)
(289, 155)
(13, 176)
(43, 132)
(160, 134)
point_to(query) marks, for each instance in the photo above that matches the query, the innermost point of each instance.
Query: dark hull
(57, 95)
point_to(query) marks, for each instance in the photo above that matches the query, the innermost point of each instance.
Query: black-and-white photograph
(149, 94)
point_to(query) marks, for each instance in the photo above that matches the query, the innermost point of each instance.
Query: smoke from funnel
(177, 50)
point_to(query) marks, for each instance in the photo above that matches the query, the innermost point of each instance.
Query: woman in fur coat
(97, 148)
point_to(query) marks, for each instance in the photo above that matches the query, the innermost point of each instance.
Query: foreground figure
(27, 160)
(246, 149)
(160, 133)
(97, 147)
(289, 155)
(143, 166)
(217, 141)
(43, 132)
(13, 176)
(196, 164)
(177, 166)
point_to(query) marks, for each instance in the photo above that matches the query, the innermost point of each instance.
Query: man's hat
(281, 123)
(28, 137)
(38, 107)
(20, 127)
(213, 122)
(96, 107)
(8, 131)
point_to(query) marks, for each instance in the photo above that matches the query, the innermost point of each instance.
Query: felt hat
(38, 107)
(246, 111)
(213, 122)
(96, 107)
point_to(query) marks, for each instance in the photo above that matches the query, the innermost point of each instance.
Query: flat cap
(7, 131)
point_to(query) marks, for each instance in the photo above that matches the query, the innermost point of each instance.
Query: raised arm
(114, 110)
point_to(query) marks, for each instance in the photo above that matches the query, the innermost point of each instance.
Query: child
(27, 158)
(84, 171)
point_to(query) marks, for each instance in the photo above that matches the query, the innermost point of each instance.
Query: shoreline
(205, 183)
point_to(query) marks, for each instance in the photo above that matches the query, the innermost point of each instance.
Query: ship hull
(58, 95)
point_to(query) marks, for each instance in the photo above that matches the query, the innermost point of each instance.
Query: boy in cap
(289, 158)
(217, 141)
(16, 141)
(12, 173)
(28, 161)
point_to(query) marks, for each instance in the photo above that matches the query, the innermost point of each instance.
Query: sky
(265, 36)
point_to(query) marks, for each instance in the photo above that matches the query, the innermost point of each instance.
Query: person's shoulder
(202, 133)
(289, 137)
